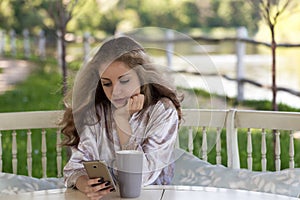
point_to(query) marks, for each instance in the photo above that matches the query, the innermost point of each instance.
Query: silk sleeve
(87, 150)
(159, 143)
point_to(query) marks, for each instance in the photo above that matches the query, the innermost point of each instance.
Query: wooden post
(240, 53)
(12, 35)
(26, 43)
(2, 42)
(86, 46)
(42, 45)
(169, 48)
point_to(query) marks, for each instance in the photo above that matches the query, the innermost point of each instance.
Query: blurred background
(226, 53)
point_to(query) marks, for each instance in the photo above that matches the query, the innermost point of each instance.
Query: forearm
(124, 132)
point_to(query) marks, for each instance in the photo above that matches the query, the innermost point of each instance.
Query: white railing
(29, 121)
(275, 121)
(208, 121)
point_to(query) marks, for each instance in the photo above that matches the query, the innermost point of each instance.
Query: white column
(86, 46)
(240, 53)
(42, 45)
(59, 50)
(233, 157)
(169, 48)
(26, 43)
(13, 48)
(2, 42)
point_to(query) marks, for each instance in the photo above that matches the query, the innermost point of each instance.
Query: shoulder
(164, 105)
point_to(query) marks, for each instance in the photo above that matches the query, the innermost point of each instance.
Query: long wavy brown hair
(88, 97)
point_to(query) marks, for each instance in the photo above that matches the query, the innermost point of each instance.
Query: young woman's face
(119, 83)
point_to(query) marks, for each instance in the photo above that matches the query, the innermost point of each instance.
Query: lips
(120, 101)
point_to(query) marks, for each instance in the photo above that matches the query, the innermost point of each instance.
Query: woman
(120, 101)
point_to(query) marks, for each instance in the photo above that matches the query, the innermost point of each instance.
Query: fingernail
(107, 183)
(101, 180)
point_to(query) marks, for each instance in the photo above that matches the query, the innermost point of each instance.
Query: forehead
(115, 69)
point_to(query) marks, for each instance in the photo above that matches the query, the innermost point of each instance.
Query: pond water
(221, 59)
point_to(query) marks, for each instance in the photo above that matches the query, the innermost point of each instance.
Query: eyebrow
(126, 74)
(105, 79)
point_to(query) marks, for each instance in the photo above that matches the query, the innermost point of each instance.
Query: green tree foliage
(117, 15)
(86, 17)
(233, 14)
(6, 14)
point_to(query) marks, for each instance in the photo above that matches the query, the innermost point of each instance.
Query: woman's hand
(94, 189)
(123, 114)
(134, 104)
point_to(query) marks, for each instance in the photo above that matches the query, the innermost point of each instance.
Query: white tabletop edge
(213, 189)
(169, 189)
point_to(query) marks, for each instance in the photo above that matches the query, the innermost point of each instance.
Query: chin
(118, 105)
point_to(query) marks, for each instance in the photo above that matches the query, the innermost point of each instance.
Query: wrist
(81, 181)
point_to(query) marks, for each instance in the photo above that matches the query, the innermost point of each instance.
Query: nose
(117, 90)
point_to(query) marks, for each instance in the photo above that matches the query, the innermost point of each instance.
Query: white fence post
(42, 45)
(169, 48)
(59, 50)
(233, 157)
(2, 42)
(86, 46)
(12, 35)
(240, 53)
(26, 43)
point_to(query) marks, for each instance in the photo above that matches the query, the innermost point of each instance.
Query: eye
(106, 84)
(124, 81)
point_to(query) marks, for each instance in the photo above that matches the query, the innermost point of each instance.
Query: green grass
(41, 91)
(267, 105)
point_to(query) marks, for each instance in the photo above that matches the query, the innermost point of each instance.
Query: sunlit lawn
(41, 91)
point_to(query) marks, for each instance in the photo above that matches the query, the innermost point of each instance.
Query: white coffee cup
(129, 165)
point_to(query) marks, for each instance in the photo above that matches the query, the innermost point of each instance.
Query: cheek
(135, 87)
(107, 92)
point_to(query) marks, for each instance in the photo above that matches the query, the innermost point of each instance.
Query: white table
(212, 193)
(155, 193)
(70, 194)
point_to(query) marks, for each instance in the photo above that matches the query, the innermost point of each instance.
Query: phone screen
(97, 169)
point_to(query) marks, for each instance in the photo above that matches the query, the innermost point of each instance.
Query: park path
(12, 72)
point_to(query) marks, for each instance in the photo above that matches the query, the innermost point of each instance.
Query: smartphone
(97, 169)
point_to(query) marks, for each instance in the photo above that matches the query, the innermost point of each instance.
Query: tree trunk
(274, 92)
(274, 86)
(63, 62)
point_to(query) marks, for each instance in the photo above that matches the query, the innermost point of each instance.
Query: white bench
(205, 120)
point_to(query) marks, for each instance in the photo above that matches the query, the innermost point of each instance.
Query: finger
(103, 186)
(129, 103)
(95, 181)
(141, 99)
(135, 101)
(99, 194)
(138, 102)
